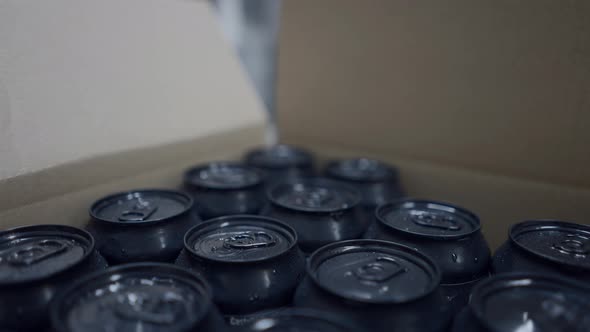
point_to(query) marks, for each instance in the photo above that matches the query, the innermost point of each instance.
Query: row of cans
(341, 253)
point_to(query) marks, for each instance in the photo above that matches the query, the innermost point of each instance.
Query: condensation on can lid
(223, 175)
(529, 302)
(278, 157)
(428, 218)
(141, 206)
(372, 271)
(33, 253)
(299, 320)
(314, 195)
(561, 242)
(147, 296)
(240, 239)
(362, 169)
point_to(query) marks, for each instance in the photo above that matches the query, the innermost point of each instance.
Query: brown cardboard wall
(500, 87)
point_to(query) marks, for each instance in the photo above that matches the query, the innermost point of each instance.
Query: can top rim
(109, 198)
(492, 285)
(262, 157)
(471, 217)
(189, 176)
(334, 249)
(50, 230)
(537, 225)
(388, 172)
(277, 188)
(240, 219)
(57, 307)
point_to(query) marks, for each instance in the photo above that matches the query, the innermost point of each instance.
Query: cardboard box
(482, 105)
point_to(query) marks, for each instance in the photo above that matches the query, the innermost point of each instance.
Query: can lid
(278, 157)
(372, 271)
(240, 239)
(222, 175)
(564, 243)
(299, 319)
(141, 206)
(530, 302)
(314, 195)
(32, 253)
(362, 170)
(146, 296)
(428, 218)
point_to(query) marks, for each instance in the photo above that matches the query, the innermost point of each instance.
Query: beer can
(380, 285)
(526, 302)
(145, 297)
(377, 181)
(141, 225)
(252, 262)
(35, 263)
(546, 246)
(298, 319)
(281, 162)
(320, 210)
(448, 234)
(225, 188)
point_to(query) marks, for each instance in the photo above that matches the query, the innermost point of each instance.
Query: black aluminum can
(320, 210)
(141, 225)
(35, 263)
(546, 246)
(377, 181)
(225, 188)
(252, 262)
(236, 322)
(448, 234)
(382, 286)
(298, 319)
(526, 302)
(281, 162)
(145, 297)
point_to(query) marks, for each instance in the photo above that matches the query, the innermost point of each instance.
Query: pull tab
(249, 240)
(573, 244)
(146, 308)
(433, 220)
(141, 211)
(35, 252)
(379, 270)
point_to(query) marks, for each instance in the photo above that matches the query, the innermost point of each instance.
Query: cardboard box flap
(501, 87)
(81, 79)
